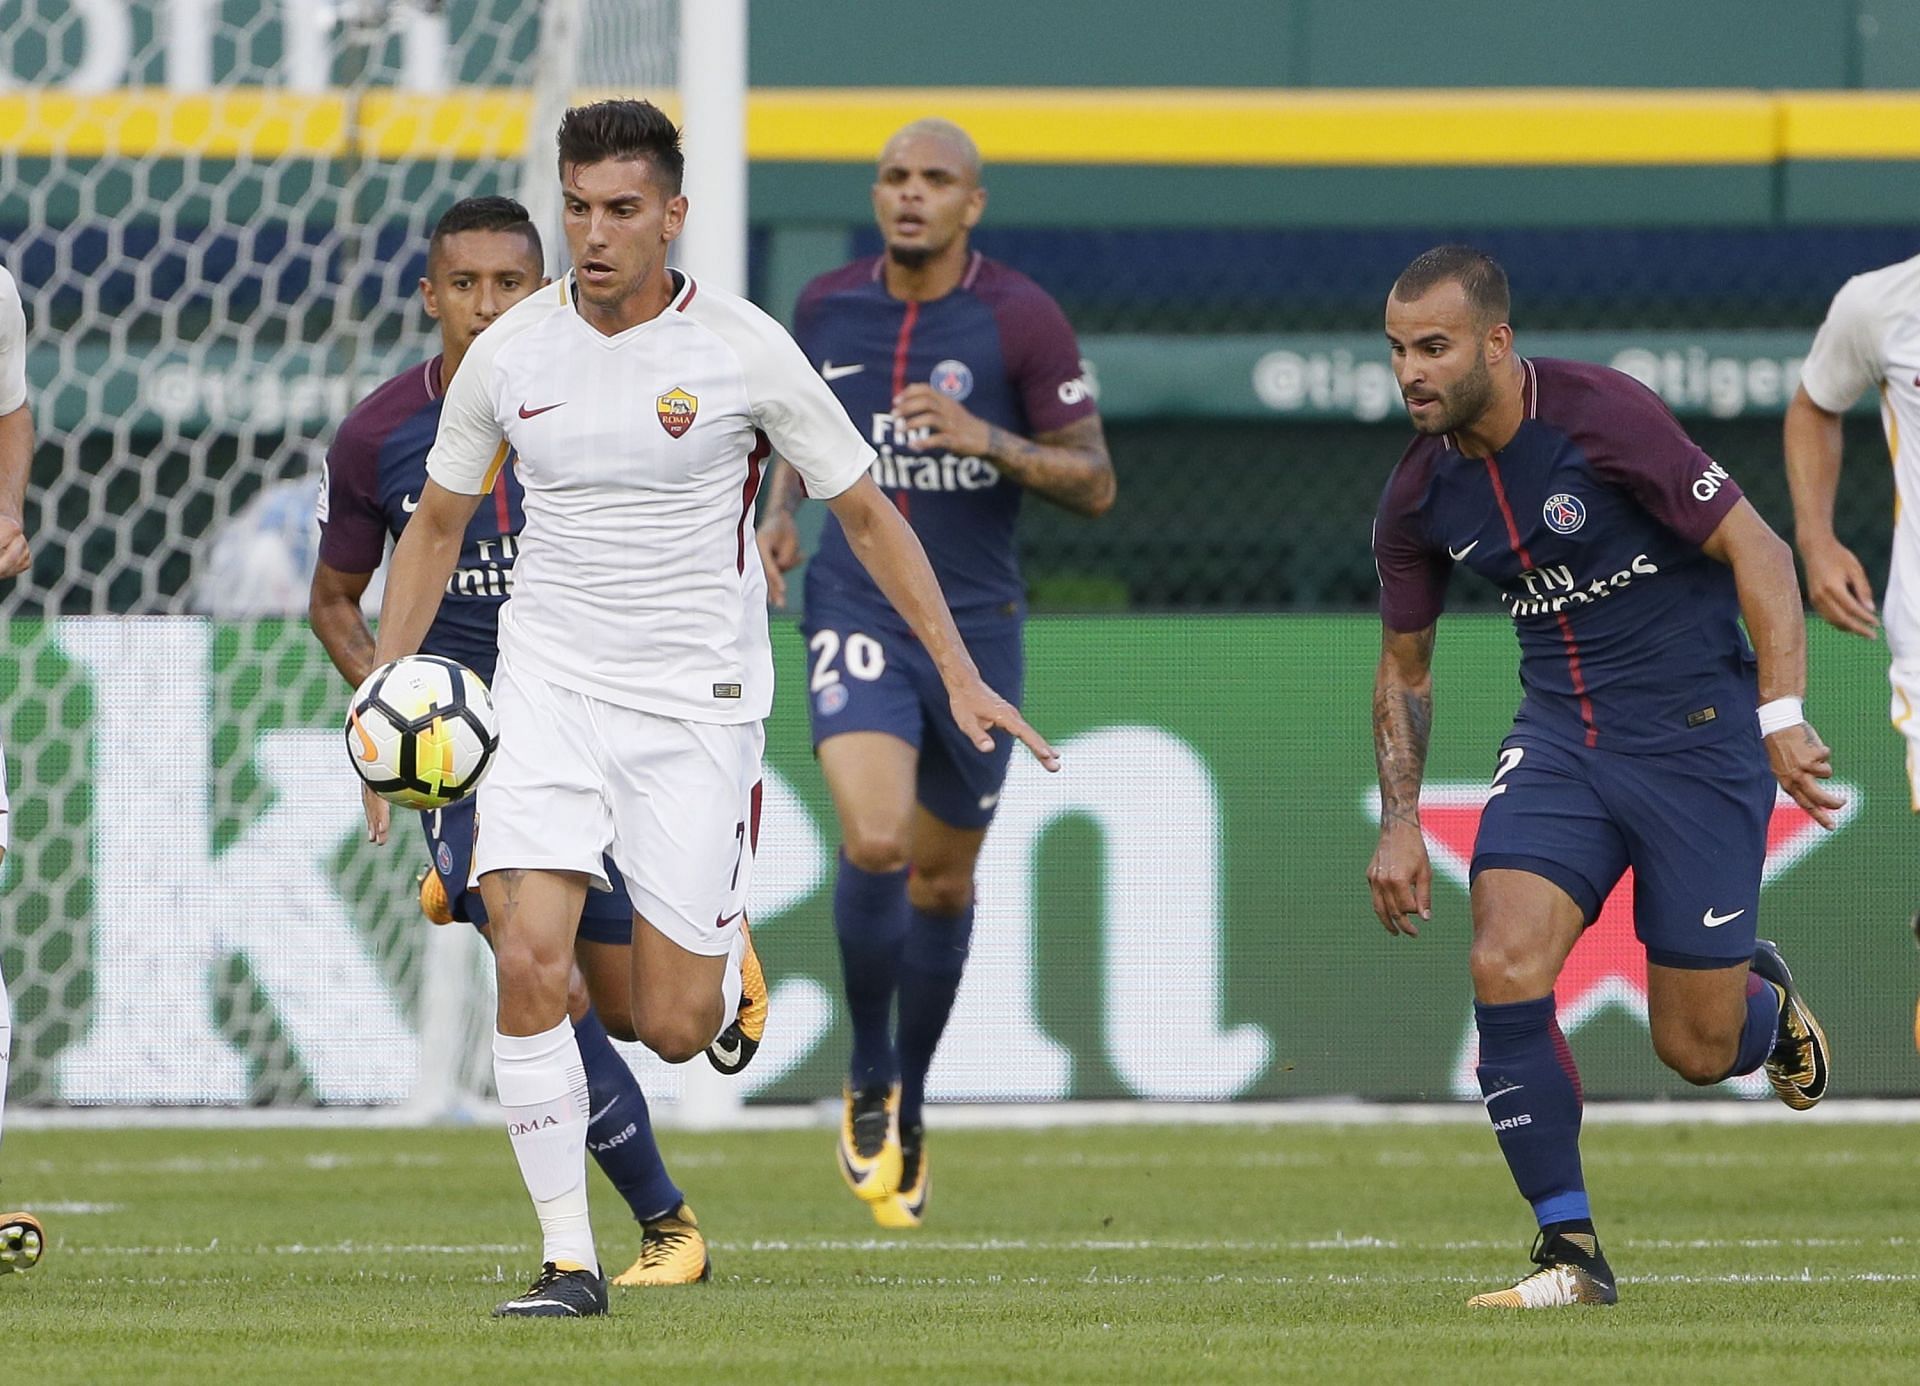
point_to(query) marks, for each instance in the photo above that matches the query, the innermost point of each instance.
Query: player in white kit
(21, 1237)
(1870, 341)
(635, 665)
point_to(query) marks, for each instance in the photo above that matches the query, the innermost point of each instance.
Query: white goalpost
(224, 214)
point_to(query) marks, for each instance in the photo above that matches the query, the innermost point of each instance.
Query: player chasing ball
(635, 666)
(483, 257)
(1627, 558)
(22, 1238)
(967, 378)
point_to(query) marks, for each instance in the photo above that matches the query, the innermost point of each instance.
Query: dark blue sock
(1762, 1029)
(870, 919)
(1532, 1092)
(930, 966)
(619, 1132)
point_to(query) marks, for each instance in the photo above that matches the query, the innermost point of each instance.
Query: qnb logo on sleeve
(1084, 386)
(1707, 485)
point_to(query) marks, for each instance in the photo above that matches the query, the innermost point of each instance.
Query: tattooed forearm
(1070, 466)
(1402, 723)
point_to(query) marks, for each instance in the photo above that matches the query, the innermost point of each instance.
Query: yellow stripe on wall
(1280, 128)
(1151, 126)
(1849, 125)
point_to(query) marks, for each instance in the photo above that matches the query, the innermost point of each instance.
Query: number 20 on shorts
(861, 655)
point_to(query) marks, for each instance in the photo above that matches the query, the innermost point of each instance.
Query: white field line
(1098, 1280)
(1339, 1242)
(329, 1161)
(958, 1116)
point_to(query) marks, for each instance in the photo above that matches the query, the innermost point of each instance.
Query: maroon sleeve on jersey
(1042, 355)
(1633, 440)
(353, 529)
(1413, 573)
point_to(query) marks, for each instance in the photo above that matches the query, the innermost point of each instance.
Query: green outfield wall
(190, 914)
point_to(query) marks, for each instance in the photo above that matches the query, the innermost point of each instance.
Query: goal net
(217, 214)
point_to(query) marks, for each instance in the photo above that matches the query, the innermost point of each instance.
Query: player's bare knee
(942, 894)
(1698, 1056)
(878, 848)
(1504, 973)
(675, 1038)
(1701, 1067)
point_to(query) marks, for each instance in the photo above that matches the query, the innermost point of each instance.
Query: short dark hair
(485, 214)
(623, 130)
(1475, 271)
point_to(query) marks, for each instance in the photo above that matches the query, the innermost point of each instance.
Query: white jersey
(1871, 339)
(637, 581)
(13, 345)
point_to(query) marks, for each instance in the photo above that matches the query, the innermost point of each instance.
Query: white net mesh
(217, 214)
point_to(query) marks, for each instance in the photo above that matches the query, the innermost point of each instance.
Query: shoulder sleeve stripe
(493, 467)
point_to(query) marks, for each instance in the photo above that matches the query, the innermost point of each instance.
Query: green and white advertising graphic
(191, 915)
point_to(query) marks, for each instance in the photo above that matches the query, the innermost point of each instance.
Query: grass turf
(1094, 1255)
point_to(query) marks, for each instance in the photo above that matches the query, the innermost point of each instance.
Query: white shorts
(1904, 675)
(675, 804)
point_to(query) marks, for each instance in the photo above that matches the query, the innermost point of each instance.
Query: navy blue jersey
(376, 469)
(1590, 523)
(1000, 346)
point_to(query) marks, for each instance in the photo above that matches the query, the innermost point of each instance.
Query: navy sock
(870, 919)
(1762, 1029)
(619, 1131)
(1532, 1092)
(930, 966)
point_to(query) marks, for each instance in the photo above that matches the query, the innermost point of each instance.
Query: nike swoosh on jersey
(1460, 555)
(1714, 921)
(720, 921)
(829, 371)
(527, 413)
(409, 504)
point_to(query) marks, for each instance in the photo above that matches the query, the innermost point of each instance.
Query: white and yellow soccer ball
(421, 731)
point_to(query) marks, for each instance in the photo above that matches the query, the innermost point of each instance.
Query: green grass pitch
(1155, 1254)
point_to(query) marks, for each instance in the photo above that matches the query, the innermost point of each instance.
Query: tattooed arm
(1400, 875)
(1069, 466)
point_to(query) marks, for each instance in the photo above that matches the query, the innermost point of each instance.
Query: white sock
(731, 983)
(543, 1086)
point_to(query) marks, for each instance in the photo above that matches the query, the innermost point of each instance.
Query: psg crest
(954, 379)
(1564, 513)
(676, 409)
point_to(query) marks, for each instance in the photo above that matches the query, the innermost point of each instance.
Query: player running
(635, 666)
(484, 256)
(1627, 558)
(1870, 340)
(966, 376)
(22, 1238)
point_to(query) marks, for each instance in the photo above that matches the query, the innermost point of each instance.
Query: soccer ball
(421, 731)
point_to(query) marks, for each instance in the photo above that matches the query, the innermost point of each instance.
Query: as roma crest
(676, 409)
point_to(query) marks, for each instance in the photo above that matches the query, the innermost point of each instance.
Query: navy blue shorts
(863, 675)
(1691, 823)
(607, 917)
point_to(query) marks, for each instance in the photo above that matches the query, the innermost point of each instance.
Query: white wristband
(1780, 714)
